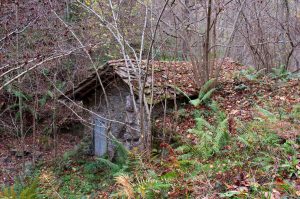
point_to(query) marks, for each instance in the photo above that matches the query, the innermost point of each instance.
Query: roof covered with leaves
(164, 79)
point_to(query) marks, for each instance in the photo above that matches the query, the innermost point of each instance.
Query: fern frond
(127, 188)
(204, 94)
(243, 140)
(211, 139)
(222, 136)
(180, 91)
(183, 149)
(134, 161)
(203, 99)
(30, 192)
(266, 113)
(143, 186)
(9, 193)
(207, 95)
(214, 106)
(195, 102)
(121, 152)
(201, 122)
(185, 156)
(108, 164)
(206, 87)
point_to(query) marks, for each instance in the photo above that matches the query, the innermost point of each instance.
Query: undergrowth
(219, 157)
(20, 191)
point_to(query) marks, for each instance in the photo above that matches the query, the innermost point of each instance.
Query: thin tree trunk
(207, 41)
(34, 128)
(54, 119)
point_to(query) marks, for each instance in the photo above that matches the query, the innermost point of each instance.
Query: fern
(195, 102)
(266, 114)
(252, 74)
(202, 123)
(121, 152)
(180, 91)
(204, 94)
(221, 136)
(29, 192)
(124, 162)
(214, 106)
(281, 73)
(8, 193)
(211, 139)
(205, 88)
(204, 147)
(154, 188)
(134, 162)
(296, 112)
(127, 189)
(278, 71)
(204, 99)
(243, 140)
(183, 149)
(207, 95)
(186, 156)
(109, 165)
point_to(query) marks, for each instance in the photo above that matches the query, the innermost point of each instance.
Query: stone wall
(125, 125)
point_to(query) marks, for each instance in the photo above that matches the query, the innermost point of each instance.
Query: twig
(39, 64)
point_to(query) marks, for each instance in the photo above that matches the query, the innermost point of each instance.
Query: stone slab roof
(164, 79)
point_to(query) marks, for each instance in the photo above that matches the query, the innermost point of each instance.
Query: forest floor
(13, 155)
(240, 142)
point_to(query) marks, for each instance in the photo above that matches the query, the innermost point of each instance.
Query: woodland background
(48, 46)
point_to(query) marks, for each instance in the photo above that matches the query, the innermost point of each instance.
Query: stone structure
(117, 111)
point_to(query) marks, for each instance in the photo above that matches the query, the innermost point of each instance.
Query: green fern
(124, 161)
(153, 188)
(212, 136)
(221, 136)
(134, 162)
(266, 113)
(183, 149)
(296, 112)
(108, 164)
(281, 73)
(8, 193)
(28, 192)
(252, 74)
(214, 106)
(121, 153)
(204, 94)
(202, 123)
(211, 139)
(180, 91)
(205, 88)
